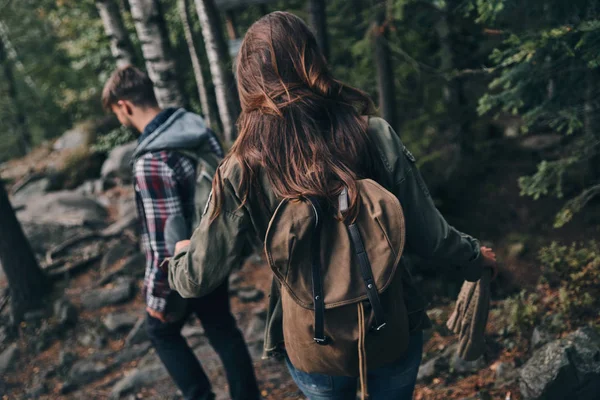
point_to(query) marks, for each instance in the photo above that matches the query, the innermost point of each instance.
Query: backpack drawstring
(362, 352)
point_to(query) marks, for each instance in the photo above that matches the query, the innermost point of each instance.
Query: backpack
(207, 163)
(342, 292)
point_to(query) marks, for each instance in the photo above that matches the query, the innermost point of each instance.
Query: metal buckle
(323, 341)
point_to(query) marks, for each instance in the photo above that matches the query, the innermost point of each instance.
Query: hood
(183, 130)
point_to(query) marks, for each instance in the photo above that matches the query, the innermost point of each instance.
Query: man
(164, 179)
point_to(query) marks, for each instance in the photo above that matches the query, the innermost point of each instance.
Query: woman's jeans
(391, 382)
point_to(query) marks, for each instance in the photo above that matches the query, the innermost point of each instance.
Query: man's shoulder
(151, 163)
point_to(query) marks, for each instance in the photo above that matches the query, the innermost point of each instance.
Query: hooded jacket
(218, 244)
(164, 181)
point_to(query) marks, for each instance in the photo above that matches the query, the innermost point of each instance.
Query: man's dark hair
(128, 83)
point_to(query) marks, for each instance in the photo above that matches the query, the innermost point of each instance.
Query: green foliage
(576, 270)
(548, 75)
(112, 139)
(521, 312)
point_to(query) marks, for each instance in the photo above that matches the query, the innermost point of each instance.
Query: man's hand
(489, 260)
(157, 314)
(180, 245)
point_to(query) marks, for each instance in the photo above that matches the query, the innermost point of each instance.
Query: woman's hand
(489, 260)
(181, 244)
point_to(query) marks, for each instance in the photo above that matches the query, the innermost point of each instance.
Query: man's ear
(126, 106)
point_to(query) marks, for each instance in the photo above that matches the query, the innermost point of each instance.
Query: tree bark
(156, 48)
(120, 44)
(383, 61)
(27, 282)
(24, 139)
(318, 21)
(189, 37)
(218, 57)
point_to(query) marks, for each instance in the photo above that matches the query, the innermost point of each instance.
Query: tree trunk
(318, 21)
(27, 282)
(218, 57)
(383, 61)
(120, 44)
(152, 32)
(189, 38)
(24, 139)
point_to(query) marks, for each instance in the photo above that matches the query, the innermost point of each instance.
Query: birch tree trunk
(27, 282)
(152, 32)
(218, 57)
(189, 38)
(383, 61)
(318, 20)
(120, 44)
(24, 139)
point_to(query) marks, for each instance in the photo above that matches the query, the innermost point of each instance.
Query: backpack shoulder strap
(317, 284)
(365, 266)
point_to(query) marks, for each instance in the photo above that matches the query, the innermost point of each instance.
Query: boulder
(137, 378)
(31, 190)
(567, 368)
(84, 372)
(432, 368)
(122, 291)
(75, 138)
(118, 163)
(115, 254)
(65, 312)
(65, 208)
(116, 322)
(8, 358)
(131, 353)
(540, 337)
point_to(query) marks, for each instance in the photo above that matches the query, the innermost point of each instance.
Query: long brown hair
(298, 125)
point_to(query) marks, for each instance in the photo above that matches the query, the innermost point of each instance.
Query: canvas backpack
(342, 300)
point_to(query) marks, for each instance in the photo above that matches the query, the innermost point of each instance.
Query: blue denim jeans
(391, 382)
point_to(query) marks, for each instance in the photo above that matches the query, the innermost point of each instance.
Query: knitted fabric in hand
(470, 317)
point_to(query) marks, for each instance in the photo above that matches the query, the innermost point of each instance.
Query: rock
(120, 226)
(506, 373)
(31, 190)
(541, 142)
(117, 322)
(460, 366)
(131, 353)
(34, 317)
(8, 358)
(127, 207)
(137, 378)
(540, 337)
(122, 291)
(36, 390)
(567, 368)
(84, 372)
(75, 138)
(135, 265)
(115, 254)
(247, 295)
(118, 163)
(138, 333)
(190, 331)
(432, 368)
(92, 338)
(66, 208)
(66, 358)
(65, 312)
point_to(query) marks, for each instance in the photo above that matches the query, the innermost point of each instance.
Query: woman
(302, 133)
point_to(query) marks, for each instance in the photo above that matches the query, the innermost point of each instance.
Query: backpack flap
(289, 246)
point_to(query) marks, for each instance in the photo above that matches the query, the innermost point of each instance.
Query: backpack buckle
(322, 341)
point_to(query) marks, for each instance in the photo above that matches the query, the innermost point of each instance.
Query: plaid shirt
(164, 186)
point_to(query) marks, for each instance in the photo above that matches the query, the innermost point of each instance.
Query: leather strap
(365, 266)
(317, 284)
